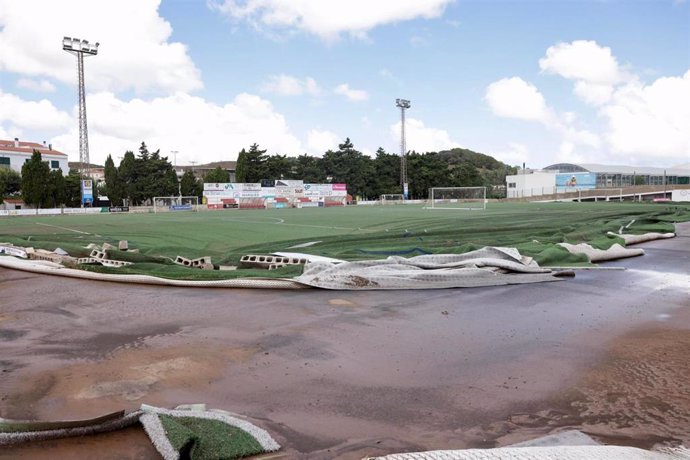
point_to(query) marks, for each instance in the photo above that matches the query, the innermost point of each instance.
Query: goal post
(392, 198)
(175, 203)
(468, 198)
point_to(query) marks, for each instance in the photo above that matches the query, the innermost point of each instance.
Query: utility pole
(179, 183)
(81, 48)
(403, 104)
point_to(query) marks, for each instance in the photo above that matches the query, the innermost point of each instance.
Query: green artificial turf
(201, 439)
(350, 233)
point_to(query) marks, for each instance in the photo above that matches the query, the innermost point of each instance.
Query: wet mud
(345, 375)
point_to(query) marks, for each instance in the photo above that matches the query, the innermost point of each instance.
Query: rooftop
(28, 147)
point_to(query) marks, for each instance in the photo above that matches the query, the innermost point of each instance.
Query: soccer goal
(175, 203)
(470, 198)
(395, 198)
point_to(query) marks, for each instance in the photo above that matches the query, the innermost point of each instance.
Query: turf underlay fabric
(489, 266)
(192, 432)
(546, 453)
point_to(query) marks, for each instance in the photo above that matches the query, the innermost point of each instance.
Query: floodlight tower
(403, 104)
(81, 48)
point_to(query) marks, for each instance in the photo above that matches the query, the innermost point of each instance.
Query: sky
(525, 81)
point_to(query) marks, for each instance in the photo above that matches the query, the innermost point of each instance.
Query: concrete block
(206, 266)
(260, 261)
(179, 260)
(107, 246)
(123, 245)
(96, 254)
(197, 263)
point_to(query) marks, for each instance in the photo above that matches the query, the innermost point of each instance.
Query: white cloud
(422, 138)
(593, 93)
(582, 60)
(593, 67)
(516, 154)
(31, 115)
(135, 51)
(200, 130)
(352, 94)
(40, 86)
(286, 85)
(318, 142)
(328, 19)
(515, 98)
(651, 120)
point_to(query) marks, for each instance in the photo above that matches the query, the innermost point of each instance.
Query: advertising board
(576, 181)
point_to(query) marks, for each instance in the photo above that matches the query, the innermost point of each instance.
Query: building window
(511, 184)
(4, 161)
(54, 164)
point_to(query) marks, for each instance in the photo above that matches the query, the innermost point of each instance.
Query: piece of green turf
(202, 439)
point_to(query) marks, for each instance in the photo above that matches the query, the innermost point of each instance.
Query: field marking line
(282, 222)
(279, 221)
(63, 228)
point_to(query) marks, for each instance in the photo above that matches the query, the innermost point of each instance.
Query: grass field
(357, 232)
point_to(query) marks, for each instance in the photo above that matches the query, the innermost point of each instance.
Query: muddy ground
(348, 374)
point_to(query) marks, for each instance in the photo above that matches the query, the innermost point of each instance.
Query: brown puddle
(125, 379)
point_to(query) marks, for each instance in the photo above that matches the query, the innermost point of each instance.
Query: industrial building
(569, 177)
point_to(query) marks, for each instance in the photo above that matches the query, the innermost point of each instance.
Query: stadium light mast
(81, 48)
(403, 104)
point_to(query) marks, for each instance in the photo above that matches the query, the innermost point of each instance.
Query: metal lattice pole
(84, 161)
(80, 48)
(403, 104)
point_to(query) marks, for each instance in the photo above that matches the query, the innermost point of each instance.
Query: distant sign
(181, 207)
(87, 191)
(118, 209)
(575, 181)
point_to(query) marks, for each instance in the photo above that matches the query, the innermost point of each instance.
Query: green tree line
(138, 178)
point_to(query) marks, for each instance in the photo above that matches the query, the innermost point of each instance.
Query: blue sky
(605, 81)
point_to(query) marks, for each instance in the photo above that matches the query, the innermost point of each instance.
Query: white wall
(17, 160)
(680, 195)
(534, 184)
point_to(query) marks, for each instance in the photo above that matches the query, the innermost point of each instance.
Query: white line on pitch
(282, 222)
(63, 228)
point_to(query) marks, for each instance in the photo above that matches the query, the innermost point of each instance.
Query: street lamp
(81, 48)
(179, 183)
(403, 104)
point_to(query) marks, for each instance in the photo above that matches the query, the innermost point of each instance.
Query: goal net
(175, 203)
(457, 198)
(396, 198)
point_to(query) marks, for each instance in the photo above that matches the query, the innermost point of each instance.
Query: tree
(10, 182)
(72, 189)
(55, 190)
(127, 174)
(250, 167)
(217, 176)
(387, 173)
(277, 167)
(309, 169)
(35, 178)
(190, 185)
(349, 166)
(114, 187)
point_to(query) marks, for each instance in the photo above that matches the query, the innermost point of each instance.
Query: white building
(569, 177)
(13, 155)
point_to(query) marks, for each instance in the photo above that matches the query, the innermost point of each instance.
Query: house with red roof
(14, 153)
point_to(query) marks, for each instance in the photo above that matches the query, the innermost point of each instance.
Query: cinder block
(123, 245)
(179, 260)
